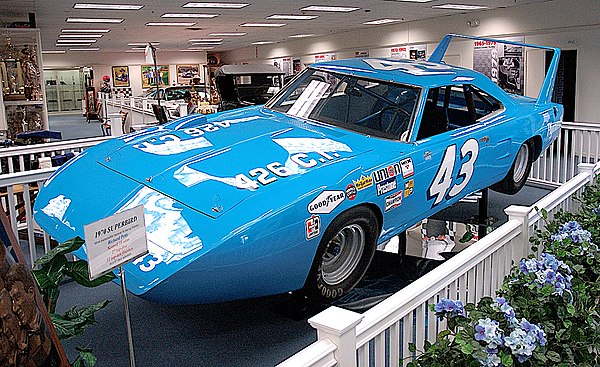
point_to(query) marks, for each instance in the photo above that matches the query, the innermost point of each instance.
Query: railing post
(587, 168)
(339, 326)
(521, 214)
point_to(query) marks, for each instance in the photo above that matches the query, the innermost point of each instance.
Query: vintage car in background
(297, 194)
(170, 97)
(247, 85)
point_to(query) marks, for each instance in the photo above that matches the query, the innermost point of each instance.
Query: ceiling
(51, 18)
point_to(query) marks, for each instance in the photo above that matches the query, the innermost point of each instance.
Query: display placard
(116, 240)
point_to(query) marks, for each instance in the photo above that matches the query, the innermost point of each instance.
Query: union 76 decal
(442, 187)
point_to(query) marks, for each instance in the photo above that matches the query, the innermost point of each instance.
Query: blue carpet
(73, 126)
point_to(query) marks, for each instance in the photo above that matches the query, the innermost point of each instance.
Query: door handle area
(484, 139)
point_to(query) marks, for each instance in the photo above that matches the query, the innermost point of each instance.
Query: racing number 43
(441, 187)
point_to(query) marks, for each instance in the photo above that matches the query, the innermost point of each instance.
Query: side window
(454, 106)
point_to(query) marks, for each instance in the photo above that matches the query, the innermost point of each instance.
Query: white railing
(19, 158)
(380, 336)
(578, 142)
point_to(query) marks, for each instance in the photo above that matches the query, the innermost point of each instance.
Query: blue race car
(296, 194)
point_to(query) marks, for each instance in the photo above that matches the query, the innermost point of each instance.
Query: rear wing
(545, 94)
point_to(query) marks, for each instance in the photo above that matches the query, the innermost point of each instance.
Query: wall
(102, 63)
(566, 24)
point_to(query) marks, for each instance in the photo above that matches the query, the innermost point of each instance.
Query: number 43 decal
(440, 187)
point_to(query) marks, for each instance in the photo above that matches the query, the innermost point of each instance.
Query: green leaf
(570, 309)
(74, 322)
(87, 356)
(466, 348)
(442, 334)
(62, 249)
(412, 348)
(78, 270)
(506, 359)
(553, 356)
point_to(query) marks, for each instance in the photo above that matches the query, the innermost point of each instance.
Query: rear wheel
(344, 254)
(518, 173)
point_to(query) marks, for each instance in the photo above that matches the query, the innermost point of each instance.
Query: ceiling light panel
(382, 21)
(188, 15)
(302, 35)
(263, 43)
(85, 49)
(459, 7)
(216, 5)
(340, 9)
(85, 30)
(72, 44)
(143, 43)
(108, 6)
(76, 40)
(291, 17)
(94, 20)
(207, 40)
(171, 24)
(262, 25)
(80, 35)
(53, 52)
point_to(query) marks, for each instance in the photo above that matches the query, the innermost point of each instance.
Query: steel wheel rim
(343, 253)
(521, 163)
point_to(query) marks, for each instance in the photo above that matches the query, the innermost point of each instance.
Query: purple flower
(454, 308)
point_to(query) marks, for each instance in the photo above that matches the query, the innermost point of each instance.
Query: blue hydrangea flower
(488, 331)
(572, 231)
(502, 305)
(596, 211)
(454, 308)
(492, 360)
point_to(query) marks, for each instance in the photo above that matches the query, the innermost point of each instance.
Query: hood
(211, 165)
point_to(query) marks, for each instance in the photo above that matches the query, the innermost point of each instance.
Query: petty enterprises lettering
(115, 226)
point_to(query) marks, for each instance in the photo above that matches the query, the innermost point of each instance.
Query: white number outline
(443, 179)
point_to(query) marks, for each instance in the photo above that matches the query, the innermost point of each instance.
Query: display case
(23, 97)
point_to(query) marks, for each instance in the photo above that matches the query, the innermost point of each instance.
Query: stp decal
(393, 201)
(363, 182)
(312, 227)
(386, 186)
(407, 167)
(326, 202)
(442, 187)
(351, 192)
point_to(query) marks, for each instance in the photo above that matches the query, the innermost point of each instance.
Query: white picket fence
(380, 336)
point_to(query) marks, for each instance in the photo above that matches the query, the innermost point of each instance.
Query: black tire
(344, 254)
(519, 171)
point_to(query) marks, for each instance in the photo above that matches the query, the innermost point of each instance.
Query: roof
(249, 69)
(413, 72)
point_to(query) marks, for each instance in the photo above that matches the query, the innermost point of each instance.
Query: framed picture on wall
(120, 76)
(185, 73)
(148, 78)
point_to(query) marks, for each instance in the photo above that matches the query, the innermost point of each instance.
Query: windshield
(367, 106)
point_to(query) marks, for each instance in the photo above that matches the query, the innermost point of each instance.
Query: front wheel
(518, 173)
(344, 254)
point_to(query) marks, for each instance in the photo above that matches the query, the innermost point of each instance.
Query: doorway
(565, 85)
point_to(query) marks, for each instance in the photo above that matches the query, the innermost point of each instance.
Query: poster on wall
(399, 52)
(148, 78)
(416, 52)
(296, 66)
(185, 73)
(120, 76)
(361, 53)
(324, 57)
(504, 64)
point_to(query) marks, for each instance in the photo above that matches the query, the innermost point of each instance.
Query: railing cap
(335, 320)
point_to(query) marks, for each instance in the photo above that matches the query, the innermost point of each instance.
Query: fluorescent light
(292, 17)
(207, 43)
(415, 1)
(262, 25)
(143, 43)
(382, 21)
(54, 52)
(107, 6)
(262, 42)
(76, 41)
(80, 35)
(85, 49)
(459, 7)
(207, 40)
(301, 35)
(85, 30)
(72, 44)
(216, 5)
(188, 15)
(200, 48)
(135, 50)
(94, 20)
(340, 9)
(173, 24)
(228, 34)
